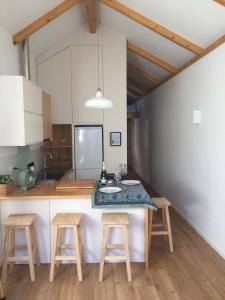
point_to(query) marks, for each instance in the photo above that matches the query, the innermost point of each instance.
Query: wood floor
(193, 271)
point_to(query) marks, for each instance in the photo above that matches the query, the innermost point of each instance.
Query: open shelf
(51, 146)
(60, 147)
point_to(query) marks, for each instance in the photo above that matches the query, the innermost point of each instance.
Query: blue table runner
(130, 196)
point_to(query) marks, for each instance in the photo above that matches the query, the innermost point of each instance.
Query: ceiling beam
(142, 73)
(165, 32)
(151, 57)
(209, 49)
(43, 20)
(135, 91)
(222, 2)
(135, 86)
(91, 15)
(132, 94)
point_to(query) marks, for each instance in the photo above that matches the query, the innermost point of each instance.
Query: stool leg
(81, 244)
(52, 268)
(104, 241)
(11, 243)
(58, 244)
(2, 294)
(164, 222)
(6, 254)
(169, 229)
(30, 254)
(78, 255)
(35, 243)
(125, 234)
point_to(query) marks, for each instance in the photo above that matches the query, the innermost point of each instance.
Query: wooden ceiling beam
(222, 2)
(151, 57)
(91, 15)
(132, 93)
(43, 20)
(135, 86)
(209, 49)
(142, 73)
(163, 31)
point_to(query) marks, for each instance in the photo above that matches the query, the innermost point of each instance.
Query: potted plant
(6, 185)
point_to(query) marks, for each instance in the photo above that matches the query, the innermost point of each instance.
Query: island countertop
(48, 192)
(46, 201)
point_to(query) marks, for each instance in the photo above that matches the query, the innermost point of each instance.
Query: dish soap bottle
(103, 174)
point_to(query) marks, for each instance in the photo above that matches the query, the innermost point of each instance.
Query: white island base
(91, 226)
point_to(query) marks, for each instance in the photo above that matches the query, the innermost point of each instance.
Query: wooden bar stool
(113, 220)
(12, 223)
(66, 220)
(165, 227)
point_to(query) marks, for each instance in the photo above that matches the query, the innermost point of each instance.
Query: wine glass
(123, 168)
(117, 175)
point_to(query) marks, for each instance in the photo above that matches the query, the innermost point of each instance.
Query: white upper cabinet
(54, 76)
(21, 121)
(84, 63)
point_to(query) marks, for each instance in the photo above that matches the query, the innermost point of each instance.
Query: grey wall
(185, 161)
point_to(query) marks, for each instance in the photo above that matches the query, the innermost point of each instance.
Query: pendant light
(99, 101)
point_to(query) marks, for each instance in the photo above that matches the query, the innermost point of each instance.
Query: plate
(110, 190)
(130, 182)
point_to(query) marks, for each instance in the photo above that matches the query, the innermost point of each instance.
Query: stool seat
(161, 202)
(115, 219)
(67, 219)
(19, 220)
(12, 223)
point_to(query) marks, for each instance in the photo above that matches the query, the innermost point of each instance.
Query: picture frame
(115, 138)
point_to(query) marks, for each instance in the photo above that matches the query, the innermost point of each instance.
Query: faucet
(46, 155)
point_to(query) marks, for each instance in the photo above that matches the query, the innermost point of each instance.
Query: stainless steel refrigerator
(88, 151)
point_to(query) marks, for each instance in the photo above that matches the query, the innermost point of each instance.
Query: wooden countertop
(48, 192)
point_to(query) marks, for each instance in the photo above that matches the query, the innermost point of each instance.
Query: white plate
(130, 182)
(110, 190)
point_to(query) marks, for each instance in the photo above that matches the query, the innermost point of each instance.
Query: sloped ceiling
(201, 21)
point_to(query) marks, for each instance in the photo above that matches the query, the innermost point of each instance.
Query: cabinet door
(47, 116)
(32, 97)
(33, 125)
(84, 60)
(54, 76)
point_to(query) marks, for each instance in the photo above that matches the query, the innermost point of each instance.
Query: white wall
(114, 63)
(184, 161)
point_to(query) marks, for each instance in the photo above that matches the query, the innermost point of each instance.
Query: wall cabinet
(84, 71)
(21, 121)
(54, 77)
(47, 116)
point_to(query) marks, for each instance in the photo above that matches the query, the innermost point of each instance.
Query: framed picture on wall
(115, 138)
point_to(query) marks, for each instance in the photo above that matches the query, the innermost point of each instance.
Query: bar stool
(163, 203)
(113, 220)
(12, 223)
(60, 221)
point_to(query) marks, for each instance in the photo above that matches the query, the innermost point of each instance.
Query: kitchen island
(46, 201)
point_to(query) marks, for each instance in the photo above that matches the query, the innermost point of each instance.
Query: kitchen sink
(51, 174)
(46, 182)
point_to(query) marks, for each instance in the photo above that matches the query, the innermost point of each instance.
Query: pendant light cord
(98, 60)
(100, 31)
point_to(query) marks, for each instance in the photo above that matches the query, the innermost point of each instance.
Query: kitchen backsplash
(19, 157)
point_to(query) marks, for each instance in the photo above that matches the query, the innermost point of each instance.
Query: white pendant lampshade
(99, 101)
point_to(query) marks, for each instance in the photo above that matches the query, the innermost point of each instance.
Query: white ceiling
(201, 21)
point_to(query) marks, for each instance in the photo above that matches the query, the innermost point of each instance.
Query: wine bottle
(103, 174)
